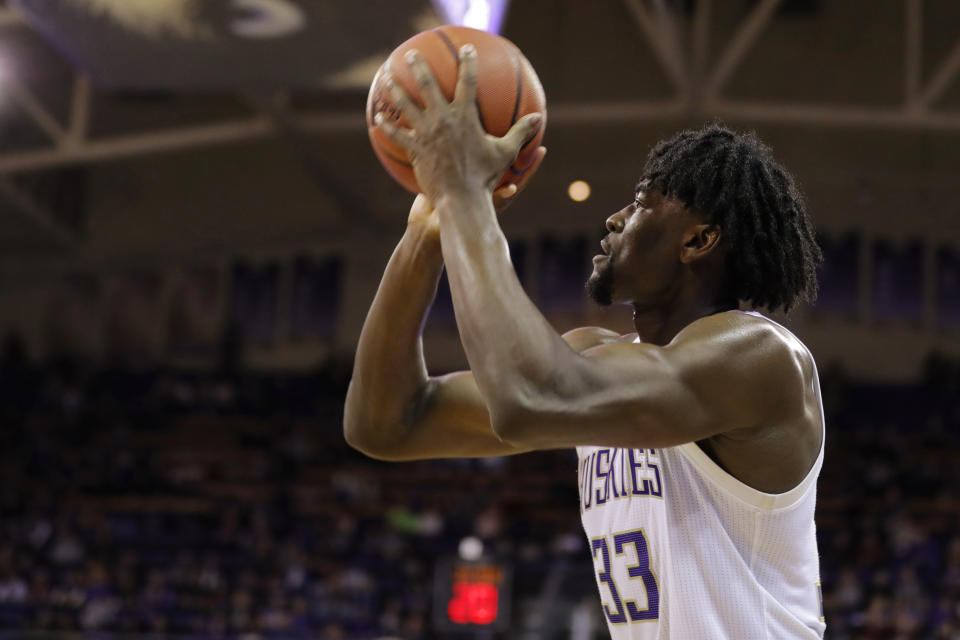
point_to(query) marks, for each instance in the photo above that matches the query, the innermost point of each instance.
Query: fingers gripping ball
(507, 90)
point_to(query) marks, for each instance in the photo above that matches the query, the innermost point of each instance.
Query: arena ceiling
(85, 84)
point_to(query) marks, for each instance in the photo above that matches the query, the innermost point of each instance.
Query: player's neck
(661, 323)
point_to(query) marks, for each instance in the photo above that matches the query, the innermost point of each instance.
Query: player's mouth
(605, 248)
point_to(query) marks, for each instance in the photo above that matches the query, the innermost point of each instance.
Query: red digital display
(471, 594)
(473, 603)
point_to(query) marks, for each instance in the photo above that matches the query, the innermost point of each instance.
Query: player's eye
(639, 199)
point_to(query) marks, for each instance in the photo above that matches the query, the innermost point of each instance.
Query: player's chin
(599, 286)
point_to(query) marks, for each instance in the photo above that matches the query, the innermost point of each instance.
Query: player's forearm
(389, 372)
(514, 353)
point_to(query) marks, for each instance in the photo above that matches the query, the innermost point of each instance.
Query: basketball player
(700, 436)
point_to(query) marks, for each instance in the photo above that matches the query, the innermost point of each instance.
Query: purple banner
(839, 277)
(947, 269)
(898, 281)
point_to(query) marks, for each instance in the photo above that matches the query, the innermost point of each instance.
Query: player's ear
(699, 241)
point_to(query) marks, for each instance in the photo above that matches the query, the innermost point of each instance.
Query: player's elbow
(377, 453)
(365, 431)
(354, 420)
(358, 438)
(356, 434)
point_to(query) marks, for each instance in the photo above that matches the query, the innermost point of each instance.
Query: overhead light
(579, 190)
(486, 15)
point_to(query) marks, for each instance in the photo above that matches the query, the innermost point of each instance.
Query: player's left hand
(505, 195)
(450, 151)
(423, 216)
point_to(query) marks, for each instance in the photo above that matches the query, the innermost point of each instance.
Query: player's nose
(615, 222)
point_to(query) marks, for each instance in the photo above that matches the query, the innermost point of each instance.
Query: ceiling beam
(663, 41)
(139, 144)
(569, 114)
(313, 160)
(750, 29)
(24, 97)
(835, 115)
(673, 44)
(942, 76)
(81, 103)
(913, 52)
(700, 46)
(30, 209)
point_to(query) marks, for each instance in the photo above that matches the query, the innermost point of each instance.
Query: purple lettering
(602, 474)
(639, 489)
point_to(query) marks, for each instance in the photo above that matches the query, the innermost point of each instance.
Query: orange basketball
(507, 90)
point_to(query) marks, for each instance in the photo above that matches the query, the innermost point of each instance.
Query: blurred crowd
(888, 509)
(228, 506)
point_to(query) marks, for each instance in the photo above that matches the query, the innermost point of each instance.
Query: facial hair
(600, 285)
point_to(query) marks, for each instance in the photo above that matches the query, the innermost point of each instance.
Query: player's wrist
(472, 200)
(422, 236)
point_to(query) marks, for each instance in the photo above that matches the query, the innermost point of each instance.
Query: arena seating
(213, 506)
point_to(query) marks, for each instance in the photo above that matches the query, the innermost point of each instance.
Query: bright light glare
(486, 15)
(477, 15)
(471, 548)
(578, 191)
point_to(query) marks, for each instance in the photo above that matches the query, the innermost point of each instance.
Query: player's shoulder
(752, 339)
(738, 327)
(583, 338)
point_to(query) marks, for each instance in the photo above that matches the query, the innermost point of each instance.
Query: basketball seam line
(525, 145)
(456, 58)
(450, 46)
(532, 137)
(516, 105)
(393, 157)
(519, 66)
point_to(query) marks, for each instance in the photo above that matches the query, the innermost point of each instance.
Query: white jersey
(684, 550)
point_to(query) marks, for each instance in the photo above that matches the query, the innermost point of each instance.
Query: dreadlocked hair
(732, 179)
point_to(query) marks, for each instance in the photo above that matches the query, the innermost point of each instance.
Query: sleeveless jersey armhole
(744, 492)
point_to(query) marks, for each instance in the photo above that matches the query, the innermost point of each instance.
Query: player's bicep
(703, 383)
(618, 395)
(451, 421)
(642, 393)
(711, 379)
